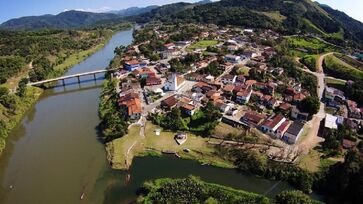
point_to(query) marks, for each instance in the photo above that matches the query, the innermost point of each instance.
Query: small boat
(167, 152)
(177, 155)
(11, 186)
(127, 179)
(82, 196)
(186, 150)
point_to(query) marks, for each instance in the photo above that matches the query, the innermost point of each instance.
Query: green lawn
(202, 44)
(151, 144)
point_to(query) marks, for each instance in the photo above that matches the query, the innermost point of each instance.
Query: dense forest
(46, 50)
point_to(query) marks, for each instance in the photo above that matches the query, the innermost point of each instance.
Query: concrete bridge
(63, 78)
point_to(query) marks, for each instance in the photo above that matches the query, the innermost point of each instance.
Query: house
(144, 72)
(169, 103)
(297, 114)
(272, 104)
(232, 47)
(354, 112)
(243, 97)
(152, 81)
(223, 108)
(330, 122)
(348, 144)
(131, 104)
(202, 87)
(253, 118)
(188, 109)
(174, 83)
(232, 59)
(228, 90)
(133, 64)
(170, 53)
(293, 133)
(270, 125)
(285, 107)
(332, 94)
(240, 80)
(282, 129)
(298, 97)
(169, 46)
(228, 79)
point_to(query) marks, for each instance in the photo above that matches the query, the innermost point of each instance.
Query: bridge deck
(69, 76)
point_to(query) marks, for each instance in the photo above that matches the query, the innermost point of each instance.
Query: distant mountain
(289, 17)
(132, 11)
(68, 19)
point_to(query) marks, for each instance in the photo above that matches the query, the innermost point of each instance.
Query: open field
(121, 151)
(313, 162)
(202, 44)
(311, 45)
(337, 68)
(310, 61)
(335, 83)
(353, 62)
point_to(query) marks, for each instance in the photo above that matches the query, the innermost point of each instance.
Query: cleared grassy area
(202, 44)
(339, 69)
(224, 129)
(312, 45)
(276, 15)
(335, 83)
(313, 162)
(353, 62)
(310, 61)
(121, 151)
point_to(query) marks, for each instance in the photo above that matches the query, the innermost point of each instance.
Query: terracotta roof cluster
(170, 102)
(132, 62)
(132, 102)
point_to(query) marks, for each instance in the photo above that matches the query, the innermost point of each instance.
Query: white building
(174, 83)
(293, 132)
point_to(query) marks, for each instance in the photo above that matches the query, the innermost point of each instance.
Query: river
(53, 155)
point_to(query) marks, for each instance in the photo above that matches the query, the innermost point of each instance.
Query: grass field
(312, 45)
(202, 44)
(339, 69)
(335, 83)
(310, 61)
(224, 129)
(121, 151)
(313, 162)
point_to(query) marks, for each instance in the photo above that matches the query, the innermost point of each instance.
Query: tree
(310, 104)
(3, 91)
(292, 197)
(250, 161)
(119, 50)
(22, 87)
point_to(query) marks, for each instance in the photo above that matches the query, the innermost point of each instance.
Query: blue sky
(17, 8)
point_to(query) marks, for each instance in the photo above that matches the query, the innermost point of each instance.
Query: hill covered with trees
(288, 17)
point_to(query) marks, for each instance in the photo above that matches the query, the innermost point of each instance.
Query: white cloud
(94, 10)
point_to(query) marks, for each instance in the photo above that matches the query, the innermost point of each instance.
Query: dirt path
(312, 138)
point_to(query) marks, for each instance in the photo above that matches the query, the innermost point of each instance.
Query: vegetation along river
(54, 156)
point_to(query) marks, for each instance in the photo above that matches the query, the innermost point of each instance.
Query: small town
(168, 101)
(228, 69)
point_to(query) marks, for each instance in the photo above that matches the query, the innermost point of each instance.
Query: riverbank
(23, 104)
(121, 151)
